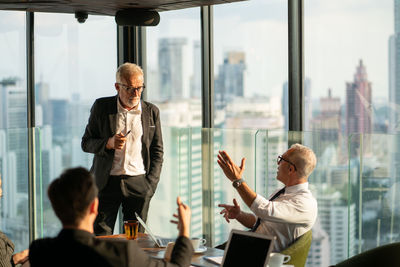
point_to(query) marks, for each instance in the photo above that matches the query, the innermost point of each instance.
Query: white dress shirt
(288, 216)
(129, 160)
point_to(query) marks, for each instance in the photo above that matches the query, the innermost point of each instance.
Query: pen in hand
(127, 133)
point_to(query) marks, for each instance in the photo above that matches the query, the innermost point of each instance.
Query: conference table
(148, 245)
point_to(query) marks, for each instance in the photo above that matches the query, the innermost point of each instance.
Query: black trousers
(133, 192)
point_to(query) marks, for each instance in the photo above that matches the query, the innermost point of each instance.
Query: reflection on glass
(75, 64)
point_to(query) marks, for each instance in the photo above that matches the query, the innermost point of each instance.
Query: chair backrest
(387, 255)
(298, 251)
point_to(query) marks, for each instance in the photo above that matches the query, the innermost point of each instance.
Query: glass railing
(356, 183)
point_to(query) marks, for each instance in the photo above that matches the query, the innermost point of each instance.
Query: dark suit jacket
(75, 248)
(102, 125)
(6, 251)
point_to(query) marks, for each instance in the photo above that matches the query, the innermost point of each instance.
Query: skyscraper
(173, 76)
(328, 121)
(358, 102)
(359, 108)
(230, 81)
(338, 220)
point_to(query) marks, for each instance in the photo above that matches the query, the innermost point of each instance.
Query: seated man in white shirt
(290, 211)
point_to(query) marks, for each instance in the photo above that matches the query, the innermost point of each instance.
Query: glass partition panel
(50, 163)
(333, 232)
(14, 219)
(376, 190)
(75, 64)
(238, 143)
(180, 172)
(251, 65)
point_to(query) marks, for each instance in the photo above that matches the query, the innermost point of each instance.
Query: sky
(74, 57)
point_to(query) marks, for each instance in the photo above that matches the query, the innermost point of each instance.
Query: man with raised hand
(290, 211)
(73, 197)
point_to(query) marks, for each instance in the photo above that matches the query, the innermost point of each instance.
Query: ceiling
(103, 7)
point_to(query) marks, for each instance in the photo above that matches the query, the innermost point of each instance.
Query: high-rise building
(338, 220)
(359, 102)
(230, 80)
(14, 119)
(173, 68)
(359, 109)
(319, 253)
(327, 123)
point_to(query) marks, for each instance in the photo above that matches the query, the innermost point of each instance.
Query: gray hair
(304, 159)
(127, 70)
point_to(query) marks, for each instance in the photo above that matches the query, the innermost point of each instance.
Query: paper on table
(216, 259)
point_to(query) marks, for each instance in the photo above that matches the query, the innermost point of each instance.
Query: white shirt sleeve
(285, 209)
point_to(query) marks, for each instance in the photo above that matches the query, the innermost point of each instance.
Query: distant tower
(14, 119)
(328, 121)
(358, 103)
(230, 81)
(359, 106)
(173, 79)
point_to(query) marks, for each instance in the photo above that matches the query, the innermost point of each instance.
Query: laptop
(160, 242)
(245, 249)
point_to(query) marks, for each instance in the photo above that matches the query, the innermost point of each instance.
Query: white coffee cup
(197, 242)
(277, 259)
(168, 251)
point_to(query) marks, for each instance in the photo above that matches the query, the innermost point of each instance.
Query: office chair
(387, 255)
(298, 251)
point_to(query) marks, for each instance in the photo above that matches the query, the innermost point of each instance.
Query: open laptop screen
(247, 249)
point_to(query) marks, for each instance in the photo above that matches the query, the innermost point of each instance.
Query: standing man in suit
(289, 212)
(73, 197)
(124, 134)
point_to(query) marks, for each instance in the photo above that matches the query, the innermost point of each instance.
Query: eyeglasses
(131, 89)
(280, 158)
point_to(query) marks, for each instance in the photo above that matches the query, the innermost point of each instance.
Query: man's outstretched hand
(183, 216)
(230, 212)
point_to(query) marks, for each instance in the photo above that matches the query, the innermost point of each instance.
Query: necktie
(277, 194)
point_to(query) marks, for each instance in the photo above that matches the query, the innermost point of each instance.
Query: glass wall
(251, 65)
(351, 82)
(174, 85)
(13, 129)
(75, 64)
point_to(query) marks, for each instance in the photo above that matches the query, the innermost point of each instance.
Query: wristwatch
(237, 183)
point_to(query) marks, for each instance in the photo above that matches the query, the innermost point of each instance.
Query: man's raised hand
(231, 170)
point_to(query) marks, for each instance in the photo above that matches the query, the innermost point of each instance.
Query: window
(13, 132)
(251, 63)
(174, 85)
(75, 64)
